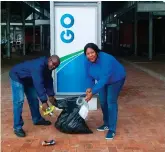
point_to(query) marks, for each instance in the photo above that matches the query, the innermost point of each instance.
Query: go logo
(67, 36)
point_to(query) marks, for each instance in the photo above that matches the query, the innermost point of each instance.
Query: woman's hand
(88, 90)
(88, 96)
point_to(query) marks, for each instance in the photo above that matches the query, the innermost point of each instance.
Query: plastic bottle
(84, 107)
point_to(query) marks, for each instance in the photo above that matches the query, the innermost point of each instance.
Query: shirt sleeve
(49, 84)
(38, 81)
(103, 80)
(86, 66)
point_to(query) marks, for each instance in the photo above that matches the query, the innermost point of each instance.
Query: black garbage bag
(69, 120)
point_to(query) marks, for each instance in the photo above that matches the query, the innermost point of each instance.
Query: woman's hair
(92, 46)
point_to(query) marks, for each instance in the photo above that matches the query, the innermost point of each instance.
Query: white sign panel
(75, 26)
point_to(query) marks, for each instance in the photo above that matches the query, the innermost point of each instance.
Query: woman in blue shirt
(110, 76)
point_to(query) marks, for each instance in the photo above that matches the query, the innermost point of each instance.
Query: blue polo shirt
(106, 70)
(35, 72)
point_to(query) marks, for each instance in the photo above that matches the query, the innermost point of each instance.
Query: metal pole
(33, 30)
(150, 35)
(135, 30)
(41, 30)
(5, 34)
(41, 35)
(118, 35)
(52, 29)
(113, 39)
(23, 29)
(8, 29)
(14, 33)
(43, 40)
(99, 23)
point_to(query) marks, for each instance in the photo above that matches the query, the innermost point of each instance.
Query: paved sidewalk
(155, 68)
(141, 123)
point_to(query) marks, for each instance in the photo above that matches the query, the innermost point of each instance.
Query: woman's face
(91, 55)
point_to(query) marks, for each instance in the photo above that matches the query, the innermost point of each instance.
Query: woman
(110, 76)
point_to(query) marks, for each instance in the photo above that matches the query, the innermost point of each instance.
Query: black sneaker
(43, 122)
(20, 133)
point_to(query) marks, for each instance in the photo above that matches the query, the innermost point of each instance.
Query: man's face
(53, 63)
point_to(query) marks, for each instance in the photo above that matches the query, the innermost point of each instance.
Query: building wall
(126, 33)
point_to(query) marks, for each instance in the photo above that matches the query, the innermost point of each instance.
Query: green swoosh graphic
(70, 55)
(69, 60)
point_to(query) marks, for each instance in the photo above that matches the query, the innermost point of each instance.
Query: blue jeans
(108, 101)
(18, 91)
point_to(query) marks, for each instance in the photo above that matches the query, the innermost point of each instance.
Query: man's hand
(88, 96)
(45, 106)
(52, 100)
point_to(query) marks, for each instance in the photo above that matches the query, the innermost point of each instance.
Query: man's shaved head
(55, 58)
(53, 62)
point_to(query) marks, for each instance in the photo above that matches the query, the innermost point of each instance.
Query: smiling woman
(110, 76)
(91, 51)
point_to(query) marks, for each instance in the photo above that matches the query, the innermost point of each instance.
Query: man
(34, 79)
